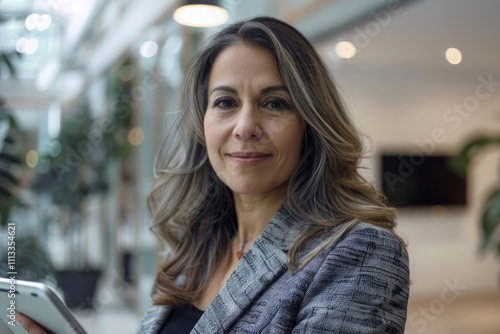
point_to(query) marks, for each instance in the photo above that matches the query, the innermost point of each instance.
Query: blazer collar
(154, 318)
(263, 263)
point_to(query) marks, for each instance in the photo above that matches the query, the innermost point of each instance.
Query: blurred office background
(88, 89)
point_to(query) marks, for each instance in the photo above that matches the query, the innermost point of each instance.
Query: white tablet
(37, 301)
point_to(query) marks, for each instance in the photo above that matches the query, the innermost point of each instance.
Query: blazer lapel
(263, 263)
(154, 318)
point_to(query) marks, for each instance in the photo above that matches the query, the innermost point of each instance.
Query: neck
(253, 213)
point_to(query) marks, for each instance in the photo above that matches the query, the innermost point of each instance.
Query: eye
(277, 104)
(224, 103)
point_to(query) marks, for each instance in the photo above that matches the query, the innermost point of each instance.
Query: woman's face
(253, 131)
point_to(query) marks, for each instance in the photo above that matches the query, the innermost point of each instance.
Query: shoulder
(368, 266)
(368, 246)
(364, 237)
(367, 259)
(360, 282)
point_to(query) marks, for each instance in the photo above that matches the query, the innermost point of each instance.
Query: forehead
(241, 61)
(240, 49)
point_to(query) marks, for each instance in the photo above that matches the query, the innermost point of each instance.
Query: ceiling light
(37, 21)
(345, 49)
(136, 136)
(149, 49)
(201, 13)
(453, 56)
(27, 45)
(32, 158)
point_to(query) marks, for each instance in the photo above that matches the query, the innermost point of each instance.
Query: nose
(248, 124)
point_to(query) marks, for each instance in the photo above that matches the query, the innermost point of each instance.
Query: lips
(248, 155)
(248, 158)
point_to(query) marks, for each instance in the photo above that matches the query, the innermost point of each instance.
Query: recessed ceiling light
(453, 56)
(345, 49)
(136, 136)
(36, 21)
(27, 45)
(32, 158)
(149, 49)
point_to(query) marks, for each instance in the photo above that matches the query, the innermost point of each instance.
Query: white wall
(397, 107)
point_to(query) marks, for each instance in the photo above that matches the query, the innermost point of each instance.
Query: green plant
(7, 61)
(490, 217)
(74, 167)
(77, 166)
(9, 160)
(32, 263)
(9, 156)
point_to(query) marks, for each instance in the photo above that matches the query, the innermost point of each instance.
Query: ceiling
(88, 36)
(416, 37)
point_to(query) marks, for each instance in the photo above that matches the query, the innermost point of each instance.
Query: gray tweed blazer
(358, 285)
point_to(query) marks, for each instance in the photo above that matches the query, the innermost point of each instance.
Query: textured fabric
(358, 285)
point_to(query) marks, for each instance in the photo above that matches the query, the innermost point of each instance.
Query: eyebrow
(273, 89)
(266, 90)
(225, 89)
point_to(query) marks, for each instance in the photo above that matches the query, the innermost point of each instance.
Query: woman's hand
(29, 325)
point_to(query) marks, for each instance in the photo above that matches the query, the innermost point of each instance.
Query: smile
(248, 158)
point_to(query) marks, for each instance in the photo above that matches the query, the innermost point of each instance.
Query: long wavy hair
(192, 209)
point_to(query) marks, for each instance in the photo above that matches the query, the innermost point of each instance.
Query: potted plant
(490, 216)
(8, 160)
(32, 262)
(78, 169)
(67, 185)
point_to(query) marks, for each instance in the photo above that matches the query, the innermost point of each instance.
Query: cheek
(295, 147)
(288, 141)
(212, 134)
(291, 137)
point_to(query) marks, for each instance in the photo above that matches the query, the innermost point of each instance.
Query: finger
(29, 325)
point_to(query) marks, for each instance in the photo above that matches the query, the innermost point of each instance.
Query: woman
(270, 226)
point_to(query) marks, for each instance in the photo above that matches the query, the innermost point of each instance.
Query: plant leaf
(5, 208)
(4, 192)
(8, 176)
(491, 218)
(6, 58)
(10, 158)
(9, 140)
(462, 161)
(9, 64)
(13, 122)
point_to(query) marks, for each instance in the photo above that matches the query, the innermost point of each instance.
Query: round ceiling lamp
(201, 13)
(453, 56)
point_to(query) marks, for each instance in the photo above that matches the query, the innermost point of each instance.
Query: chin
(246, 189)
